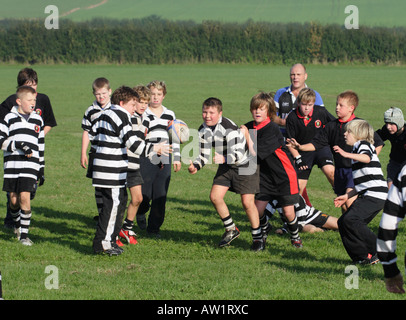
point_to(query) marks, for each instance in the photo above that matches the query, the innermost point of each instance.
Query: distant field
(371, 12)
(186, 263)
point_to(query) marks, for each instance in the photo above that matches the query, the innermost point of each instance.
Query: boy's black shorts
(320, 157)
(134, 178)
(241, 184)
(283, 200)
(19, 185)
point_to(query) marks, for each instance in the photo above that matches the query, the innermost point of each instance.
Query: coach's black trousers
(154, 191)
(358, 239)
(110, 218)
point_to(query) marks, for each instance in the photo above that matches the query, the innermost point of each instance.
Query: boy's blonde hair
(160, 85)
(100, 83)
(361, 130)
(306, 95)
(143, 92)
(213, 102)
(351, 97)
(23, 90)
(264, 98)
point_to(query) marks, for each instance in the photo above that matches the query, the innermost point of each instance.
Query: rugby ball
(178, 131)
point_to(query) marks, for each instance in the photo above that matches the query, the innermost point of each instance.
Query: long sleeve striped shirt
(368, 177)
(393, 213)
(16, 128)
(226, 140)
(140, 125)
(158, 132)
(111, 135)
(91, 115)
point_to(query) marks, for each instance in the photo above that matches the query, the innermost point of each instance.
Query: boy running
(278, 179)
(231, 153)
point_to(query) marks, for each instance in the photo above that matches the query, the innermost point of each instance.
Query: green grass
(186, 263)
(371, 12)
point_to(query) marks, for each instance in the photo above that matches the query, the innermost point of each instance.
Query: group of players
(267, 161)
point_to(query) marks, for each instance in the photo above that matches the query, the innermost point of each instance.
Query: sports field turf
(186, 263)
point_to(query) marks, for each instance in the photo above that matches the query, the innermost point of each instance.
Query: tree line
(154, 40)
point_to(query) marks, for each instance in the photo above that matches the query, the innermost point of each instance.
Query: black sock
(128, 224)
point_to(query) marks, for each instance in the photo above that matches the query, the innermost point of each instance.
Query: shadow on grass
(64, 228)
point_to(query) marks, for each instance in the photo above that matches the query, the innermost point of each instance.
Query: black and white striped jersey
(393, 213)
(111, 135)
(140, 125)
(226, 140)
(368, 177)
(16, 128)
(158, 132)
(91, 115)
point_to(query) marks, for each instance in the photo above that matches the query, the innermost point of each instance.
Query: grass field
(371, 12)
(186, 263)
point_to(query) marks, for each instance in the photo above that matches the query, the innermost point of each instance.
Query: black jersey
(333, 135)
(303, 129)
(398, 142)
(43, 108)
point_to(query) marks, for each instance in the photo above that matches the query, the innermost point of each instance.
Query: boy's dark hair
(22, 90)
(123, 94)
(27, 75)
(262, 98)
(351, 97)
(213, 102)
(100, 83)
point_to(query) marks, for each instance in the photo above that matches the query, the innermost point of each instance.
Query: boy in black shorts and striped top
(236, 172)
(278, 179)
(22, 140)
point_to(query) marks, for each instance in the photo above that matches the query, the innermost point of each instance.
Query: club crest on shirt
(37, 129)
(38, 112)
(317, 124)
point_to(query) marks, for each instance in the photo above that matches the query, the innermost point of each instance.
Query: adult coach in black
(43, 107)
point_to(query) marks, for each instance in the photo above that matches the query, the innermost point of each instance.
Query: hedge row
(154, 41)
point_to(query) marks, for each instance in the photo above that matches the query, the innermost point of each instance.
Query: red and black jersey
(302, 128)
(277, 172)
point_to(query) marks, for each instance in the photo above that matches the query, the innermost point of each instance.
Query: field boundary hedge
(154, 40)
